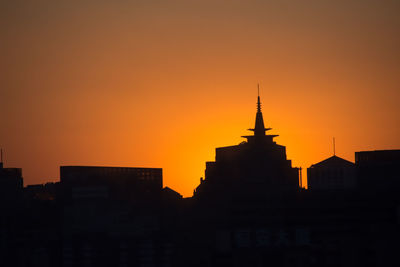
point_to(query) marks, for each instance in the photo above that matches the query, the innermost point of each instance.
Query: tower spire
(259, 128)
(258, 98)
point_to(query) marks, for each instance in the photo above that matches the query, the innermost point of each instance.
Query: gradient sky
(163, 83)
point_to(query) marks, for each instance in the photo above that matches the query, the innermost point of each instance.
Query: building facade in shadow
(11, 185)
(378, 170)
(333, 173)
(245, 212)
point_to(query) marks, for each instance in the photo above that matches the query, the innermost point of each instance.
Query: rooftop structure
(333, 173)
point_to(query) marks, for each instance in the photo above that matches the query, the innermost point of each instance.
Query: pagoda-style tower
(252, 168)
(259, 128)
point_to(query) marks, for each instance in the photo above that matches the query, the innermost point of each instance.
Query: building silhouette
(245, 211)
(378, 170)
(256, 167)
(11, 185)
(114, 216)
(113, 183)
(333, 173)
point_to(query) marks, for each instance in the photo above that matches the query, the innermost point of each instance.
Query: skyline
(162, 85)
(259, 105)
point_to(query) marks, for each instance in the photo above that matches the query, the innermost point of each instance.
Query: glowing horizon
(163, 84)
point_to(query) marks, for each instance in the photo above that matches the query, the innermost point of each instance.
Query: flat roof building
(11, 184)
(117, 183)
(378, 169)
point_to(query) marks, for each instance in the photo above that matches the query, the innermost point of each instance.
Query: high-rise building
(256, 167)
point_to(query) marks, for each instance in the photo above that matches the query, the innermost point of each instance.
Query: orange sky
(163, 83)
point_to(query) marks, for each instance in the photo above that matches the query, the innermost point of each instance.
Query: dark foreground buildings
(248, 211)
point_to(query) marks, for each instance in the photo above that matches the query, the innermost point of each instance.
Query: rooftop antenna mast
(334, 147)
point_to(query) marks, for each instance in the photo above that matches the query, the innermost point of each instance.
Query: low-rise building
(333, 173)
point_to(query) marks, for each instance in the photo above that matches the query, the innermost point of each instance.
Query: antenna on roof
(258, 89)
(334, 147)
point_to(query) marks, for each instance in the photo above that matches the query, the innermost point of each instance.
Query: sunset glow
(150, 84)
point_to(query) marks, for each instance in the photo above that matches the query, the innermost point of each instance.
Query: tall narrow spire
(258, 98)
(259, 129)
